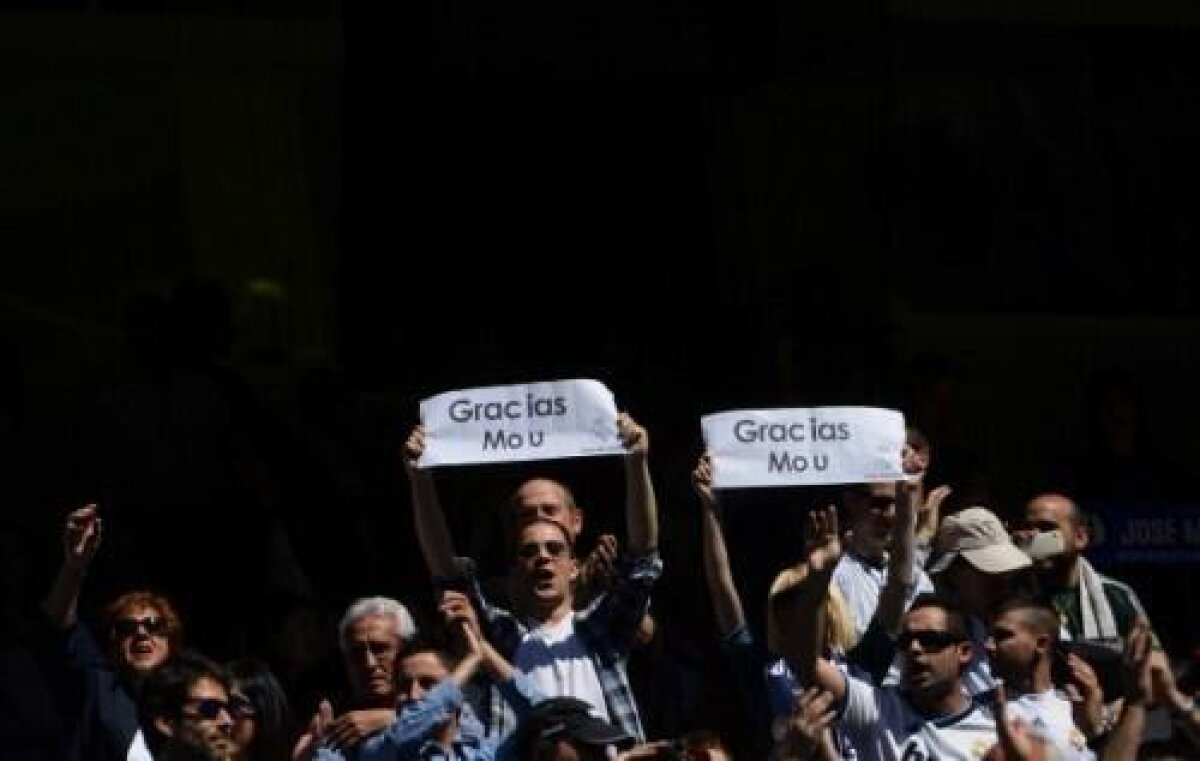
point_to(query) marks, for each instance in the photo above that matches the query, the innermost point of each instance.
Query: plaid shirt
(606, 628)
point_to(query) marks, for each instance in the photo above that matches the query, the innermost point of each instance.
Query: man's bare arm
(727, 604)
(893, 598)
(432, 532)
(641, 506)
(800, 610)
(80, 540)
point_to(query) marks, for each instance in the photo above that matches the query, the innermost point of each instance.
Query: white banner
(791, 447)
(535, 421)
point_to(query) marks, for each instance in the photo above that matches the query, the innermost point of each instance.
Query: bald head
(1059, 507)
(543, 498)
(1052, 511)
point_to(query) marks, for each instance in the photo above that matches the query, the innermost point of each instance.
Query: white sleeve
(861, 708)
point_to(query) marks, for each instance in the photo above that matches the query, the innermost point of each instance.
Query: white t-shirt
(860, 583)
(1048, 715)
(556, 661)
(884, 726)
(138, 750)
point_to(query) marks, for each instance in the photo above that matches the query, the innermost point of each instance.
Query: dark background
(240, 242)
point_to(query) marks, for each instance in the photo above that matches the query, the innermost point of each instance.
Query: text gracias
(812, 431)
(466, 411)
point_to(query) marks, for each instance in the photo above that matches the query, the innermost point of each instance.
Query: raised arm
(80, 540)
(800, 610)
(901, 581)
(432, 532)
(1123, 741)
(727, 605)
(641, 507)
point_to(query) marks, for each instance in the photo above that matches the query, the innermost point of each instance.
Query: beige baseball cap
(979, 537)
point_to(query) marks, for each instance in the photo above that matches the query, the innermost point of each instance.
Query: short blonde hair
(839, 635)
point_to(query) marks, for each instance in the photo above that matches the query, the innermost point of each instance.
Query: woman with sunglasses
(96, 691)
(262, 721)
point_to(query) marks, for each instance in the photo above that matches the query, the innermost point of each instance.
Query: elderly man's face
(373, 644)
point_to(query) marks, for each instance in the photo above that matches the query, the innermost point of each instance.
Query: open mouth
(142, 647)
(543, 579)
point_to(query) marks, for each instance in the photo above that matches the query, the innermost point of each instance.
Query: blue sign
(1149, 533)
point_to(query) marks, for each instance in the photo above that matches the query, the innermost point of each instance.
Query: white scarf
(1094, 610)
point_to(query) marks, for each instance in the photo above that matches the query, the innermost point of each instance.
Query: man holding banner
(563, 652)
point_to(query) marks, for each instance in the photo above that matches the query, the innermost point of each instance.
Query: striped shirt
(606, 629)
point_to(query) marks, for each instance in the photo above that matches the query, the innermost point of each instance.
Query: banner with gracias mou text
(532, 421)
(804, 446)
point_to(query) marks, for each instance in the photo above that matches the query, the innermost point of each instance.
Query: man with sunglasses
(928, 715)
(563, 652)
(96, 692)
(186, 712)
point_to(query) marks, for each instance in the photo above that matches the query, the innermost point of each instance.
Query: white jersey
(860, 583)
(1048, 716)
(558, 663)
(884, 726)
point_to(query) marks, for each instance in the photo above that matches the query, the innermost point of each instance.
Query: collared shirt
(607, 628)
(410, 737)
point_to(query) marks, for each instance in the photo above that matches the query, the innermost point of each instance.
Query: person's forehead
(140, 610)
(541, 531)
(927, 618)
(374, 626)
(207, 687)
(541, 491)
(1010, 620)
(424, 664)
(1049, 508)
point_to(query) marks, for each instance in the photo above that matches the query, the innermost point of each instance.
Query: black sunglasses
(929, 641)
(128, 627)
(555, 548)
(210, 708)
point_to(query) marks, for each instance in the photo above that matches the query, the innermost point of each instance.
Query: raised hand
(597, 569)
(81, 536)
(812, 714)
(414, 447)
(1086, 696)
(823, 546)
(308, 743)
(1137, 663)
(633, 436)
(702, 480)
(929, 512)
(458, 613)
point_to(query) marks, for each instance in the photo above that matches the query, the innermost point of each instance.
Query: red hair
(130, 601)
